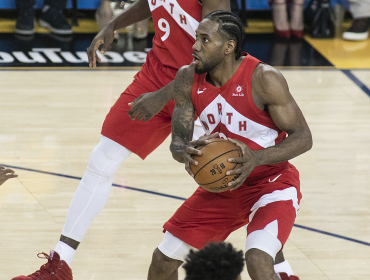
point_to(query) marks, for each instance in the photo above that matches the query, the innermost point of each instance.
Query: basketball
(210, 173)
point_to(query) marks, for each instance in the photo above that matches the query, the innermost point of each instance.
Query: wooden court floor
(51, 121)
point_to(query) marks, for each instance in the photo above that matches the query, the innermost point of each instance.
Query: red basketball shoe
(54, 269)
(284, 276)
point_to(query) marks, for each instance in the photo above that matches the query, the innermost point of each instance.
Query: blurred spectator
(104, 13)
(6, 174)
(52, 17)
(109, 9)
(319, 17)
(216, 261)
(282, 27)
(360, 10)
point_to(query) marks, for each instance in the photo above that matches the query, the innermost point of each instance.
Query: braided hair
(230, 27)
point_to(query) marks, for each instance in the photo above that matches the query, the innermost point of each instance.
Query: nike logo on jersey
(201, 91)
(273, 180)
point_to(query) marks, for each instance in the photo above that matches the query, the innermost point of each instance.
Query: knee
(252, 257)
(98, 162)
(106, 157)
(161, 264)
(259, 262)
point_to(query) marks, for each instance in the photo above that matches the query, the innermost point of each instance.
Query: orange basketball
(210, 173)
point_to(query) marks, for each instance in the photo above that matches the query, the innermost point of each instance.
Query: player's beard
(204, 66)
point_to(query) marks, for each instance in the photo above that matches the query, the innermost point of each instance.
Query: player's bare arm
(271, 93)
(182, 123)
(136, 12)
(5, 174)
(149, 104)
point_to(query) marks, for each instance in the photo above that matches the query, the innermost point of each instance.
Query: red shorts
(141, 137)
(210, 217)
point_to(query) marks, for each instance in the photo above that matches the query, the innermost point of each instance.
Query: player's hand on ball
(191, 150)
(248, 161)
(207, 137)
(146, 106)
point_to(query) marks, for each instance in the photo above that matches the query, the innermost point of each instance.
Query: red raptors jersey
(231, 111)
(175, 22)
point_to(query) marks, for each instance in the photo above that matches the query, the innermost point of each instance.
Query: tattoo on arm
(182, 118)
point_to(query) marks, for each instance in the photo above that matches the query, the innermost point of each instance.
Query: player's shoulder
(266, 76)
(269, 84)
(186, 72)
(267, 73)
(184, 80)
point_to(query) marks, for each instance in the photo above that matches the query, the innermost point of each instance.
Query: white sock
(65, 252)
(92, 193)
(283, 267)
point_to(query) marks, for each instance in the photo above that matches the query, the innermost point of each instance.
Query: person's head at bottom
(216, 261)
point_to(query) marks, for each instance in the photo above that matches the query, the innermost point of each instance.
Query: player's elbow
(308, 141)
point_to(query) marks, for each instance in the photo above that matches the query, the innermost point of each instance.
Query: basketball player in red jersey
(239, 98)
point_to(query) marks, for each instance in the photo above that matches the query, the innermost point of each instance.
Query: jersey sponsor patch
(238, 91)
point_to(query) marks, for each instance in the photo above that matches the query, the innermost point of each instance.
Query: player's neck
(224, 71)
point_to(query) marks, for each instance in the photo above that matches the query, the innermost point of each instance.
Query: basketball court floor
(51, 119)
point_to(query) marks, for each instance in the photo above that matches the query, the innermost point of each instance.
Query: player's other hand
(146, 106)
(5, 174)
(191, 149)
(248, 161)
(104, 37)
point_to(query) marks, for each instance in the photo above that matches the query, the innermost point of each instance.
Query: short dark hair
(231, 27)
(216, 261)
